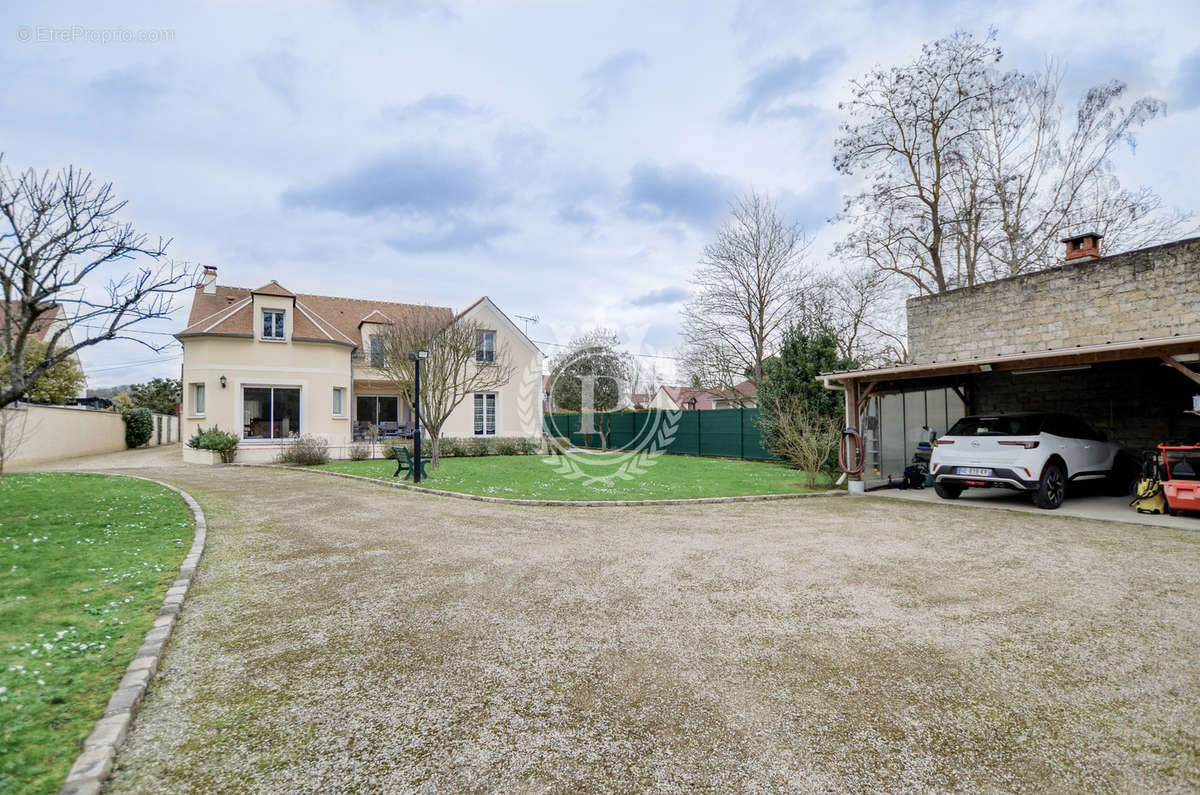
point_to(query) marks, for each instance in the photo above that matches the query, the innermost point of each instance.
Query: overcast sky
(568, 160)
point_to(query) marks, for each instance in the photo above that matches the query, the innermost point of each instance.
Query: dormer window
(273, 324)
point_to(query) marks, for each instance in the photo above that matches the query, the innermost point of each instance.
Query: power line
(631, 353)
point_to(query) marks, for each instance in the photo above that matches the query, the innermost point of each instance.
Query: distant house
(52, 322)
(686, 398)
(271, 365)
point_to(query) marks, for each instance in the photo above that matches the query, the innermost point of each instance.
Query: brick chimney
(209, 280)
(1086, 246)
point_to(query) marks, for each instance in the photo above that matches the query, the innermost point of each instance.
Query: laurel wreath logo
(631, 462)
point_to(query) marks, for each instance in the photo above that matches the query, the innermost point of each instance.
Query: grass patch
(531, 477)
(84, 563)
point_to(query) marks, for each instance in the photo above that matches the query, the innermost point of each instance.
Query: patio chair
(404, 463)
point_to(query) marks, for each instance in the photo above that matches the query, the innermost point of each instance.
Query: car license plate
(979, 473)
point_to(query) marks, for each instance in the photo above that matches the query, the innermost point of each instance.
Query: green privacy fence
(728, 433)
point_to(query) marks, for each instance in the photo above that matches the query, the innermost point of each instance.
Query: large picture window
(485, 414)
(382, 411)
(270, 412)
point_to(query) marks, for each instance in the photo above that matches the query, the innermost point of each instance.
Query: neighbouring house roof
(683, 395)
(229, 311)
(44, 324)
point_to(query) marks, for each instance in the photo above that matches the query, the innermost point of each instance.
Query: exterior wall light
(222, 382)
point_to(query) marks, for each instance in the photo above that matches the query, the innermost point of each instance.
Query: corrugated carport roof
(1054, 357)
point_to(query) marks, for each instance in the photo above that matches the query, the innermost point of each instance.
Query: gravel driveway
(348, 637)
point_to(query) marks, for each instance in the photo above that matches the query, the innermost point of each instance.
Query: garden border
(94, 765)
(551, 503)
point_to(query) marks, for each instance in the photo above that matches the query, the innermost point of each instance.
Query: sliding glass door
(270, 412)
(382, 411)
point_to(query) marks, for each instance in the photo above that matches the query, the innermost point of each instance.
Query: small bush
(223, 442)
(557, 445)
(505, 446)
(306, 451)
(527, 445)
(359, 452)
(139, 426)
(450, 447)
(476, 446)
(388, 444)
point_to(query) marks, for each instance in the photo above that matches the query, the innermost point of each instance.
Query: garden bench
(404, 463)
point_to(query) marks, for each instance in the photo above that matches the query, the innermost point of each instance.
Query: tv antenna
(528, 319)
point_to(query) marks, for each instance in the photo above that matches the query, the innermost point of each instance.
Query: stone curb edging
(94, 765)
(552, 503)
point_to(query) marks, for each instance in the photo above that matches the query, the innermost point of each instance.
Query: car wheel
(1052, 487)
(948, 491)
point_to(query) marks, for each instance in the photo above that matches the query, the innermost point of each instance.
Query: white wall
(40, 434)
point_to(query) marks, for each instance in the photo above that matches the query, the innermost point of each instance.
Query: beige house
(271, 365)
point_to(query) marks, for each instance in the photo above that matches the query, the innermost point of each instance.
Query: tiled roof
(683, 395)
(41, 329)
(229, 310)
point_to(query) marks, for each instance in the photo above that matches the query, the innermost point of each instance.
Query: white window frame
(281, 324)
(339, 402)
(198, 398)
(480, 403)
(481, 349)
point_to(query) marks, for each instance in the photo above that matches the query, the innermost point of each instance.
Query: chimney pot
(209, 280)
(1085, 246)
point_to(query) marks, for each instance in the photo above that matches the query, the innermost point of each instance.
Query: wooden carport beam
(862, 396)
(1189, 372)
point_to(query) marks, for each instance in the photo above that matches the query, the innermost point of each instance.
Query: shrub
(139, 426)
(388, 444)
(505, 446)
(476, 446)
(223, 442)
(359, 452)
(557, 445)
(450, 447)
(527, 445)
(306, 451)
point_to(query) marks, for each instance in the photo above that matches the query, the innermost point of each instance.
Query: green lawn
(84, 563)
(598, 477)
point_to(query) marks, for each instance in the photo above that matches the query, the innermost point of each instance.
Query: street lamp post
(416, 358)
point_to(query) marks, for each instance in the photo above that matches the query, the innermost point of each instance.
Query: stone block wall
(1151, 292)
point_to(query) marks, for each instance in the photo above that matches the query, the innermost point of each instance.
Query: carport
(1139, 393)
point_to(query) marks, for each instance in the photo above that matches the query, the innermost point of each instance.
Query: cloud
(683, 193)
(279, 71)
(813, 208)
(448, 106)
(134, 88)
(665, 295)
(428, 181)
(453, 234)
(576, 216)
(1187, 83)
(770, 93)
(612, 78)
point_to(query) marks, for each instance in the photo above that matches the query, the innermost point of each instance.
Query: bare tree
(975, 175)
(744, 294)
(866, 313)
(59, 235)
(909, 126)
(802, 436)
(453, 370)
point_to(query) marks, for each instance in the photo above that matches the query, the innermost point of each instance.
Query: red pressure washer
(859, 452)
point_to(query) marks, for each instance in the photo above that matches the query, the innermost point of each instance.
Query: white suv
(1038, 453)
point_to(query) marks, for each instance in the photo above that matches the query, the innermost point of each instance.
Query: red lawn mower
(1182, 484)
